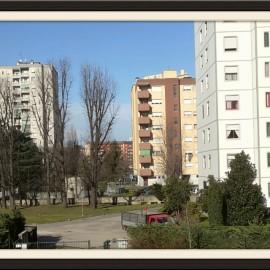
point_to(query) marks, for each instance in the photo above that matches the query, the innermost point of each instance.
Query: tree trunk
(88, 195)
(130, 200)
(93, 197)
(4, 202)
(11, 199)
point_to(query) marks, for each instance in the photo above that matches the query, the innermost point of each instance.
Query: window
(188, 126)
(231, 73)
(208, 134)
(205, 28)
(174, 90)
(202, 111)
(232, 131)
(187, 101)
(156, 127)
(230, 158)
(266, 69)
(268, 129)
(194, 113)
(230, 44)
(188, 156)
(267, 95)
(201, 85)
(204, 162)
(232, 102)
(157, 114)
(207, 108)
(206, 55)
(209, 161)
(156, 101)
(188, 139)
(187, 113)
(206, 82)
(268, 189)
(200, 35)
(201, 61)
(203, 136)
(187, 87)
(266, 39)
(175, 107)
(268, 159)
(175, 121)
(195, 126)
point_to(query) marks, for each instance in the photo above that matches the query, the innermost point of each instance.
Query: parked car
(129, 219)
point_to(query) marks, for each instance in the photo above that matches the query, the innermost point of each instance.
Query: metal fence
(53, 245)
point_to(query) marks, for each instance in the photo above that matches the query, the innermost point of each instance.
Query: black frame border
(139, 5)
(133, 5)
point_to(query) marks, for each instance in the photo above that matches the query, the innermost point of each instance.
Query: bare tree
(63, 91)
(169, 156)
(98, 96)
(72, 156)
(43, 109)
(7, 134)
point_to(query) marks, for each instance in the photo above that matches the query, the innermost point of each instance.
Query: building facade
(233, 97)
(27, 81)
(164, 127)
(124, 146)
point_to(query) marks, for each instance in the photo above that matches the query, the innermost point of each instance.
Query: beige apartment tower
(164, 127)
(25, 81)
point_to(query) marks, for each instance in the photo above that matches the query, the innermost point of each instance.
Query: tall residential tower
(32, 84)
(233, 97)
(164, 130)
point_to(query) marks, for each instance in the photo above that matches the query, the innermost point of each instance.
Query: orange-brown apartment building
(164, 126)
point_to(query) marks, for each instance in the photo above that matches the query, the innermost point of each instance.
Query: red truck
(129, 219)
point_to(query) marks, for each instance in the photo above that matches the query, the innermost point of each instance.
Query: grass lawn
(54, 213)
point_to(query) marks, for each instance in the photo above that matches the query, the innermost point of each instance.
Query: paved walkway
(96, 229)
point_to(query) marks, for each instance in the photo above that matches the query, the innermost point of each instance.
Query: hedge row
(200, 237)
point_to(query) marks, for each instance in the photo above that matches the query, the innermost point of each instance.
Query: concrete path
(96, 229)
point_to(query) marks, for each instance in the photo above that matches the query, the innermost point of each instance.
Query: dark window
(232, 104)
(268, 159)
(268, 129)
(174, 91)
(266, 39)
(175, 107)
(267, 99)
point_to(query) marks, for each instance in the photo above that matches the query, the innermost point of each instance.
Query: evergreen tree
(216, 203)
(177, 194)
(244, 199)
(28, 167)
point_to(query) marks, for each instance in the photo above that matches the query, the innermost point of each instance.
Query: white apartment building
(233, 97)
(25, 80)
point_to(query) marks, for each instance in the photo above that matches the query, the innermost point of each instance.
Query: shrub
(157, 237)
(11, 225)
(202, 237)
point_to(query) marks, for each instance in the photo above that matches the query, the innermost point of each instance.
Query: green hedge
(10, 226)
(202, 237)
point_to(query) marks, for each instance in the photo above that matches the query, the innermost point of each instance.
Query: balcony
(144, 120)
(144, 107)
(145, 172)
(146, 160)
(144, 94)
(144, 133)
(145, 146)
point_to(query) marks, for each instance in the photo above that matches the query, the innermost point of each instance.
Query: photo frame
(53, 10)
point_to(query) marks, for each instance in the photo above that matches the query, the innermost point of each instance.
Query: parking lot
(96, 229)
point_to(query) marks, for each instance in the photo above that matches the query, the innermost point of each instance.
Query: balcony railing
(145, 172)
(145, 146)
(144, 94)
(145, 160)
(144, 107)
(144, 120)
(143, 133)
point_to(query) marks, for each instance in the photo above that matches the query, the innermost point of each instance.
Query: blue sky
(127, 49)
